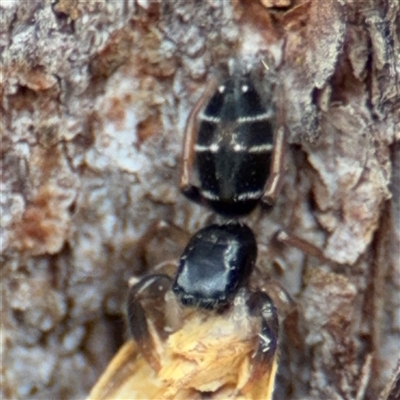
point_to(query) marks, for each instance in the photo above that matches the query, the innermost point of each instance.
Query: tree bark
(95, 95)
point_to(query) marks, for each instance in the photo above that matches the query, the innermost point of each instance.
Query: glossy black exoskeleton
(230, 140)
(213, 271)
(217, 261)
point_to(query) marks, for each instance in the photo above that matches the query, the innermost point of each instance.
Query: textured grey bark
(95, 96)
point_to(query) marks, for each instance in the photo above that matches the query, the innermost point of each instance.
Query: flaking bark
(94, 100)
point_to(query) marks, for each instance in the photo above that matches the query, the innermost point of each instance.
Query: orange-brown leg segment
(186, 185)
(275, 180)
(283, 301)
(306, 247)
(146, 302)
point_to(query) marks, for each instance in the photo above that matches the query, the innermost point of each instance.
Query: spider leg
(264, 362)
(186, 185)
(164, 229)
(148, 294)
(275, 180)
(306, 247)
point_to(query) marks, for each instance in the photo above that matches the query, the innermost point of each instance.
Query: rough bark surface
(95, 95)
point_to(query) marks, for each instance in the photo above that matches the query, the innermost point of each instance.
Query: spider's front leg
(264, 363)
(146, 315)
